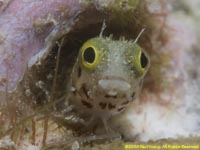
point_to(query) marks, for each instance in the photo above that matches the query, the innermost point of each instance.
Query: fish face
(108, 75)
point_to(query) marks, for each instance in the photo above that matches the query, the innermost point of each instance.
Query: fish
(107, 77)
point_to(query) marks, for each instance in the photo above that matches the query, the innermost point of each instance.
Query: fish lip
(114, 85)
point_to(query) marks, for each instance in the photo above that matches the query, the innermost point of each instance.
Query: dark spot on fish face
(102, 105)
(85, 91)
(120, 109)
(79, 72)
(125, 102)
(87, 104)
(111, 106)
(109, 96)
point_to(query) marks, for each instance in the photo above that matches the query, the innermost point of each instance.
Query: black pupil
(143, 60)
(89, 55)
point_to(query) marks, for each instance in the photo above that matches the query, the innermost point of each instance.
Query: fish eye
(140, 63)
(89, 55)
(143, 60)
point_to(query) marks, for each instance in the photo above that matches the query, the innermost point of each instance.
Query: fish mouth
(112, 86)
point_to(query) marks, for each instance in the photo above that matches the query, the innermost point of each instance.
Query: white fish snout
(113, 86)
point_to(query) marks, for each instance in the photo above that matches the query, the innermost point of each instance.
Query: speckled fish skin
(109, 87)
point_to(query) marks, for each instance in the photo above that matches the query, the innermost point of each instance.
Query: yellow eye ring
(143, 61)
(89, 56)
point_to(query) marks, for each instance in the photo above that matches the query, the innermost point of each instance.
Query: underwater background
(33, 70)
